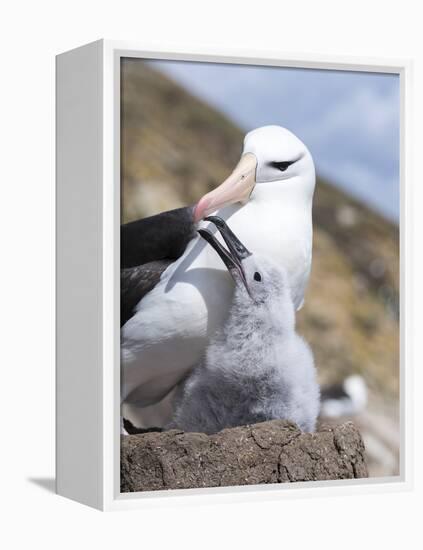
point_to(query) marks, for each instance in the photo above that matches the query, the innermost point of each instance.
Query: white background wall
(31, 34)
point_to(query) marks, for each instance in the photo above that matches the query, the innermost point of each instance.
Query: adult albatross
(268, 200)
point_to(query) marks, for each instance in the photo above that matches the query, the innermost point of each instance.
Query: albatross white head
(273, 161)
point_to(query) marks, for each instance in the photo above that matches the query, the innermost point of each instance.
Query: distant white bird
(345, 399)
(256, 367)
(268, 200)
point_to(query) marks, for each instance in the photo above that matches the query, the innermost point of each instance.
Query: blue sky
(350, 121)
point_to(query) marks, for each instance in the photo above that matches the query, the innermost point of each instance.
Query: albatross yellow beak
(236, 188)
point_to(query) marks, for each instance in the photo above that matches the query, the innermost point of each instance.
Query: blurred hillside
(175, 148)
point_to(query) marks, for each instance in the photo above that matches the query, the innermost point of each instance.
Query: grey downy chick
(256, 368)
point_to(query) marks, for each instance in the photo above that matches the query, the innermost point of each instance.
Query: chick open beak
(236, 188)
(233, 257)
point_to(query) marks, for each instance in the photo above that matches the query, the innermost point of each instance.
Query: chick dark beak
(233, 257)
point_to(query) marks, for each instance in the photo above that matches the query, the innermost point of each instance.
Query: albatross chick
(256, 367)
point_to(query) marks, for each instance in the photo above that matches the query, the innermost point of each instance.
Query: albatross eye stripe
(282, 165)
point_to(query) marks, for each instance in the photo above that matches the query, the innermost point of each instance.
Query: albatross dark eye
(283, 165)
(257, 276)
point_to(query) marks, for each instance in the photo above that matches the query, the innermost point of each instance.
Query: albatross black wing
(164, 236)
(135, 283)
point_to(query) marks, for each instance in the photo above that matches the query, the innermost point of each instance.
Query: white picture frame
(88, 217)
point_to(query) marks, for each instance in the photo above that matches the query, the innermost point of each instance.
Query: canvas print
(259, 295)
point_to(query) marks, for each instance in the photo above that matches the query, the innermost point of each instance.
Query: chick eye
(283, 165)
(257, 276)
